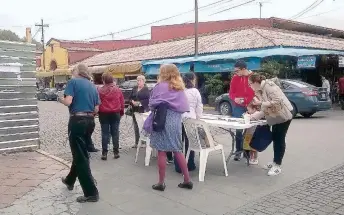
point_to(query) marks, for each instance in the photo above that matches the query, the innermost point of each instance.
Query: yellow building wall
(58, 54)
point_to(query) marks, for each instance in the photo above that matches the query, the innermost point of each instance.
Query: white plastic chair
(140, 120)
(192, 132)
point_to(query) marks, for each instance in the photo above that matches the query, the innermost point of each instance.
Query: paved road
(313, 146)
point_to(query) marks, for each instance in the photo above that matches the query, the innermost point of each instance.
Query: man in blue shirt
(82, 99)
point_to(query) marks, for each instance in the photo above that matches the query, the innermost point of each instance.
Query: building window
(52, 48)
(53, 65)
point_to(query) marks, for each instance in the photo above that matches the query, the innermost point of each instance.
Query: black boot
(104, 156)
(116, 154)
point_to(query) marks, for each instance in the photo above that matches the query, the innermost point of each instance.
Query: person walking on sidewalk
(276, 108)
(82, 99)
(111, 110)
(241, 94)
(168, 102)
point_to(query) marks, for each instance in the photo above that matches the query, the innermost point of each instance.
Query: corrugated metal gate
(19, 120)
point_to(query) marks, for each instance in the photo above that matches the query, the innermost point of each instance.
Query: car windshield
(298, 84)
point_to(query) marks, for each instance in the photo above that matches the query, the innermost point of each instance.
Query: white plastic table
(229, 124)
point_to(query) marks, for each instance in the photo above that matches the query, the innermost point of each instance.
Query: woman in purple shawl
(170, 91)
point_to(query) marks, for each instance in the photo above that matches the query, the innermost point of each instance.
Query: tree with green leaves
(11, 36)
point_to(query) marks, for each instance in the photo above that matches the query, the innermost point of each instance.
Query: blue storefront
(224, 62)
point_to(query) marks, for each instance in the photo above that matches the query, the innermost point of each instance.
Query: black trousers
(279, 132)
(89, 142)
(136, 130)
(79, 128)
(109, 123)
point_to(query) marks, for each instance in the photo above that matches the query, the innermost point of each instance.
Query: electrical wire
(221, 11)
(309, 8)
(319, 14)
(157, 21)
(188, 22)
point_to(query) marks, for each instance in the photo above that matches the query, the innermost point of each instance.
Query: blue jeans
(237, 112)
(191, 161)
(109, 123)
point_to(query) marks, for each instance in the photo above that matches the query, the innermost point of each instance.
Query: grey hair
(141, 77)
(82, 71)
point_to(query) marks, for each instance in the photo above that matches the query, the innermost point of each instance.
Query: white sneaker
(275, 170)
(268, 166)
(253, 162)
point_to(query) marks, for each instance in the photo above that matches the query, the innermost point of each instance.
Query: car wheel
(225, 108)
(294, 111)
(307, 115)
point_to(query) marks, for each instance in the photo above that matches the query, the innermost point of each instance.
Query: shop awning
(43, 74)
(250, 53)
(215, 66)
(120, 68)
(62, 72)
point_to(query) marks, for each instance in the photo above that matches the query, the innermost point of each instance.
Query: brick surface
(321, 194)
(20, 173)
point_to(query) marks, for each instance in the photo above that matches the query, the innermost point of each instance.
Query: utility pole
(42, 26)
(260, 9)
(196, 27)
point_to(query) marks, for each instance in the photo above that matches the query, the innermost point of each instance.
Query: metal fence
(19, 120)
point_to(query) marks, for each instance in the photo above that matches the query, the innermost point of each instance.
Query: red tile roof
(101, 45)
(167, 32)
(239, 39)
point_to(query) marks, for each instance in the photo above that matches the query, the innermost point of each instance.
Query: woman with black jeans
(139, 100)
(110, 111)
(276, 108)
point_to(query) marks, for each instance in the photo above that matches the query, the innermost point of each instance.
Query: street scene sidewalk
(311, 181)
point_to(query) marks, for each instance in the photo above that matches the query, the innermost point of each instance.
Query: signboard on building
(341, 61)
(306, 62)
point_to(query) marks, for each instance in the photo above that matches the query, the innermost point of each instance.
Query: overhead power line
(319, 14)
(160, 20)
(188, 22)
(308, 9)
(221, 11)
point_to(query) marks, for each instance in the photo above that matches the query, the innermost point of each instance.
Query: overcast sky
(82, 19)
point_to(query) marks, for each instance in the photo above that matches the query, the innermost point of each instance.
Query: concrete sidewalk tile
(10, 182)
(207, 201)
(7, 198)
(120, 192)
(101, 208)
(18, 190)
(30, 183)
(155, 204)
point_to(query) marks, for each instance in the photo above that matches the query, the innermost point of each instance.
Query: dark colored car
(305, 98)
(47, 94)
(128, 86)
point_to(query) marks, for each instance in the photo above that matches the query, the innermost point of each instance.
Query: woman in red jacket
(110, 111)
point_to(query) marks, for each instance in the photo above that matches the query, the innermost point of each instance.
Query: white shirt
(326, 84)
(195, 102)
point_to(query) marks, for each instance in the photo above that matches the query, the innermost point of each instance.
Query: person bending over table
(276, 108)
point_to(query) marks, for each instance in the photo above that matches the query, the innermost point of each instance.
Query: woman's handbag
(129, 111)
(262, 138)
(159, 117)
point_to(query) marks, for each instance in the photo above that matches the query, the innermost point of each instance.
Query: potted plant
(214, 87)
